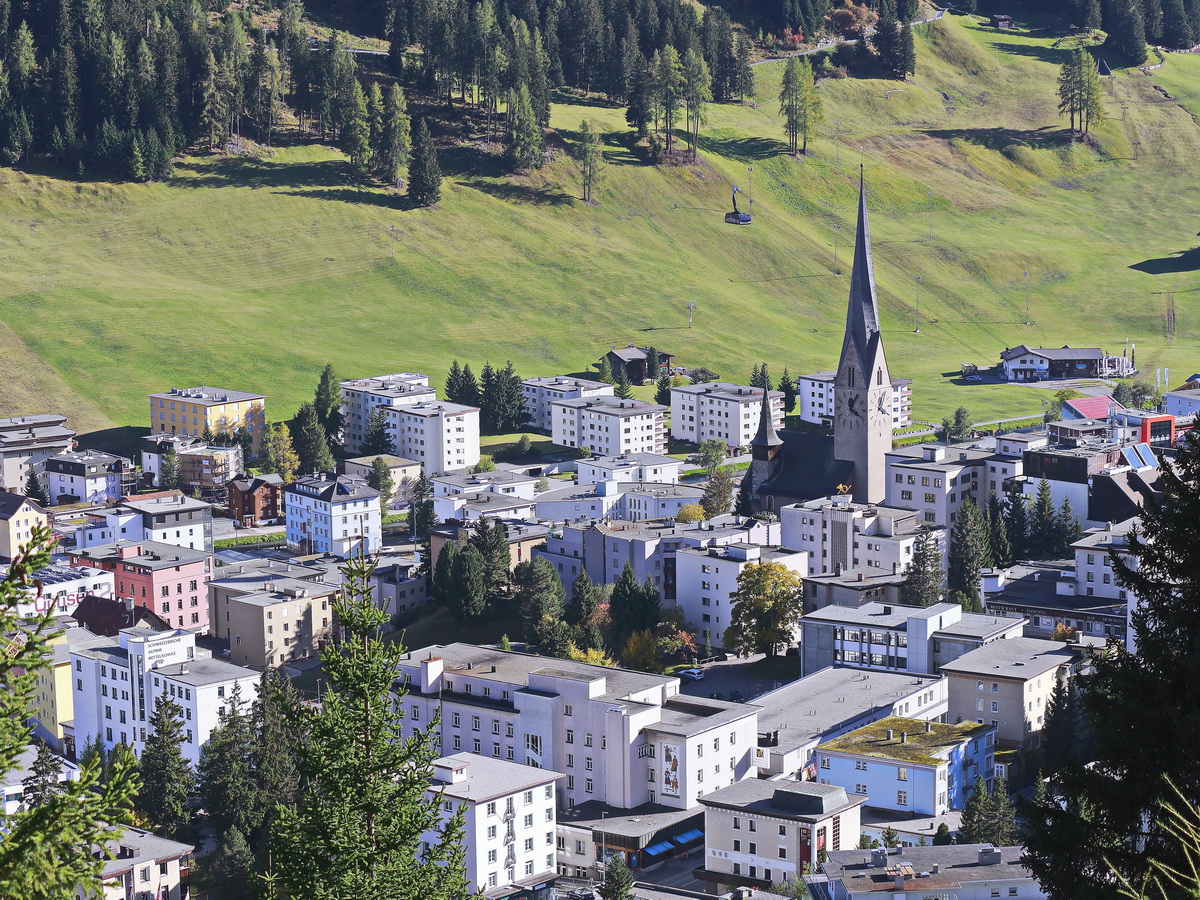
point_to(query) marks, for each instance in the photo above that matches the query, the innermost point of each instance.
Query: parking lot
(742, 675)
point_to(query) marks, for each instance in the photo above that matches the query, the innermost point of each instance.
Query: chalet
(1023, 363)
(1000, 21)
(638, 368)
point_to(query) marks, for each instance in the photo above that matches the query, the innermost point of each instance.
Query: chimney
(899, 882)
(989, 855)
(862, 576)
(890, 734)
(904, 737)
(928, 726)
(935, 868)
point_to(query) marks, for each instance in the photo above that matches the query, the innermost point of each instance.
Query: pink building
(168, 580)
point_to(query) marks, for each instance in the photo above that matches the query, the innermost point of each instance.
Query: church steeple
(862, 313)
(766, 439)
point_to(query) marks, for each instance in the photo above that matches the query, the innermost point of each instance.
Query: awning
(655, 849)
(688, 836)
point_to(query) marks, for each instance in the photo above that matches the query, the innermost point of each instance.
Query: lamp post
(917, 325)
(1026, 298)
(691, 307)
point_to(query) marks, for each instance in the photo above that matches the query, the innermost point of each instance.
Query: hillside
(254, 274)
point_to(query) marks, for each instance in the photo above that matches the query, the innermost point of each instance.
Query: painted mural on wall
(670, 769)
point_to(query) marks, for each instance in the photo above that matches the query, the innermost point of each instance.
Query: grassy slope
(252, 275)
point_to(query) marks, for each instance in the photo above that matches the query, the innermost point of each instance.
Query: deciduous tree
(766, 608)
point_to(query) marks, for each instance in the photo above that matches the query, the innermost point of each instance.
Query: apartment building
(403, 471)
(509, 814)
(503, 480)
(1046, 594)
(12, 786)
(139, 864)
(256, 499)
(360, 396)
(1007, 684)
(441, 436)
(18, 517)
(961, 871)
(287, 621)
(539, 393)
(118, 681)
(626, 501)
(54, 695)
(192, 411)
(707, 579)
(332, 514)
(719, 410)
(935, 480)
(88, 476)
(58, 588)
(762, 833)
(840, 535)
(645, 467)
(620, 737)
(168, 517)
(28, 441)
(602, 548)
(907, 765)
(898, 638)
(815, 395)
(609, 426)
(799, 716)
(853, 588)
(164, 578)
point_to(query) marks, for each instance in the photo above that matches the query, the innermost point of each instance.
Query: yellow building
(18, 516)
(54, 705)
(191, 410)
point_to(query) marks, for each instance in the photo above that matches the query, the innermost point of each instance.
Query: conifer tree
(662, 390)
(604, 371)
(1043, 531)
(41, 785)
(632, 607)
(581, 612)
(34, 490)
(232, 866)
(424, 174)
(376, 439)
(621, 386)
(618, 880)
(1017, 523)
(718, 492)
(394, 137)
(490, 538)
(469, 387)
(968, 553)
(788, 386)
(1060, 734)
(469, 600)
(380, 478)
(225, 777)
(356, 132)
(328, 404)
(697, 94)
(888, 41)
(998, 541)
(591, 159)
(1127, 32)
(922, 584)
(1067, 527)
(311, 443)
(1092, 97)
(668, 81)
(809, 103)
(167, 776)
(454, 383)
(539, 595)
(1071, 86)
(743, 504)
(789, 102)
(364, 825)
(524, 142)
(745, 72)
(442, 583)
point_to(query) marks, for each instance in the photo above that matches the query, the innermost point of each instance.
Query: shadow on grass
(1056, 55)
(1184, 261)
(574, 100)
(245, 172)
(121, 440)
(470, 159)
(521, 193)
(353, 195)
(1000, 138)
(743, 148)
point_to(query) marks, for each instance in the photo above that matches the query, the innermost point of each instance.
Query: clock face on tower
(851, 409)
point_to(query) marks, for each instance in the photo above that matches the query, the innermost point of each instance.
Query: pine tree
(166, 775)
(591, 159)
(34, 490)
(524, 142)
(581, 612)
(743, 504)
(974, 823)
(232, 866)
(490, 538)
(470, 585)
(1060, 733)
(364, 825)
(376, 439)
(41, 785)
(454, 385)
(1071, 86)
(668, 82)
(788, 386)
(618, 880)
(789, 102)
(539, 596)
(632, 607)
(745, 72)
(225, 777)
(395, 137)
(662, 390)
(888, 41)
(998, 543)
(1067, 528)
(328, 404)
(621, 386)
(424, 174)
(1043, 531)
(604, 370)
(311, 442)
(968, 553)
(442, 584)
(1001, 817)
(275, 756)
(470, 387)
(1017, 523)
(1127, 33)
(718, 492)
(380, 478)
(697, 94)
(356, 132)
(922, 584)
(1092, 99)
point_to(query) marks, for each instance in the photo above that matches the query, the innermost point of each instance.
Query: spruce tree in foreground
(41, 785)
(358, 827)
(618, 880)
(968, 553)
(166, 775)
(39, 854)
(395, 137)
(424, 174)
(34, 490)
(376, 439)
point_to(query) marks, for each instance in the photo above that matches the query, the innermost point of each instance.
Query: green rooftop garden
(920, 746)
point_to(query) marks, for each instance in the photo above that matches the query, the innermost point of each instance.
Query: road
(825, 45)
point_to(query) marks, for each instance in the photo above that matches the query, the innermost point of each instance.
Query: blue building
(909, 765)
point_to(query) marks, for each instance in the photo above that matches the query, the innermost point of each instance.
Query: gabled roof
(106, 616)
(1092, 407)
(1060, 353)
(10, 505)
(806, 468)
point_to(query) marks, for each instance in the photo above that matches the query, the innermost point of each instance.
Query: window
(567, 710)
(783, 852)
(753, 825)
(570, 736)
(902, 798)
(860, 765)
(995, 706)
(737, 846)
(860, 789)
(491, 809)
(783, 831)
(492, 857)
(995, 688)
(589, 785)
(901, 774)
(737, 824)
(527, 799)
(529, 823)
(824, 762)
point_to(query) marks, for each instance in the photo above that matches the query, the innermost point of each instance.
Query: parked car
(973, 378)
(690, 674)
(736, 696)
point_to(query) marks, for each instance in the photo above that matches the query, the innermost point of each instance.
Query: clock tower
(862, 392)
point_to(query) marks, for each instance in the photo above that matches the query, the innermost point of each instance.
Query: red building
(168, 580)
(255, 499)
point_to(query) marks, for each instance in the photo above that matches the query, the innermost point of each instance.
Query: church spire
(862, 314)
(766, 438)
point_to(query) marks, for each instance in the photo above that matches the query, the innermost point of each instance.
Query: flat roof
(175, 501)
(925, 744)
(591, 492)
(628, 460)
(687, 716)
(563, 381)
(200, 672)
(727, 390)
(1021, 658)
(498, 476)
(153, 555)
(206, 395)
(639, 822)
(819, 704)
(803, 800)
(488, 778)
(957, 864)
(613, 406)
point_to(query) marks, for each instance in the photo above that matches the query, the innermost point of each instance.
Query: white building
(646, 467)
(143, 865)
(491, 504)
(503, 480)
(509, 820)
(609, 426)
(87, 476)
(441, 436)
(961, 871)
(360, 396)
(627, 501)
(117, 683)
(170, 517)
(333, 514)
(59, 587)
(539, 393)
(12, 790)
(708, 577)
(815, 395)
(935, 480)
(841, 535)
(621, 737)
(719, 410)
(28, 441)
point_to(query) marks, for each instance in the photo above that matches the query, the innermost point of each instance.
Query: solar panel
(1148, 455)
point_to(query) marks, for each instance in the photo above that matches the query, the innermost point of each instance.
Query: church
(792, 467)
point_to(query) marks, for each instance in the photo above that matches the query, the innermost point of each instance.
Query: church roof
(806, 468)
(862, 314)
(766, 436)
